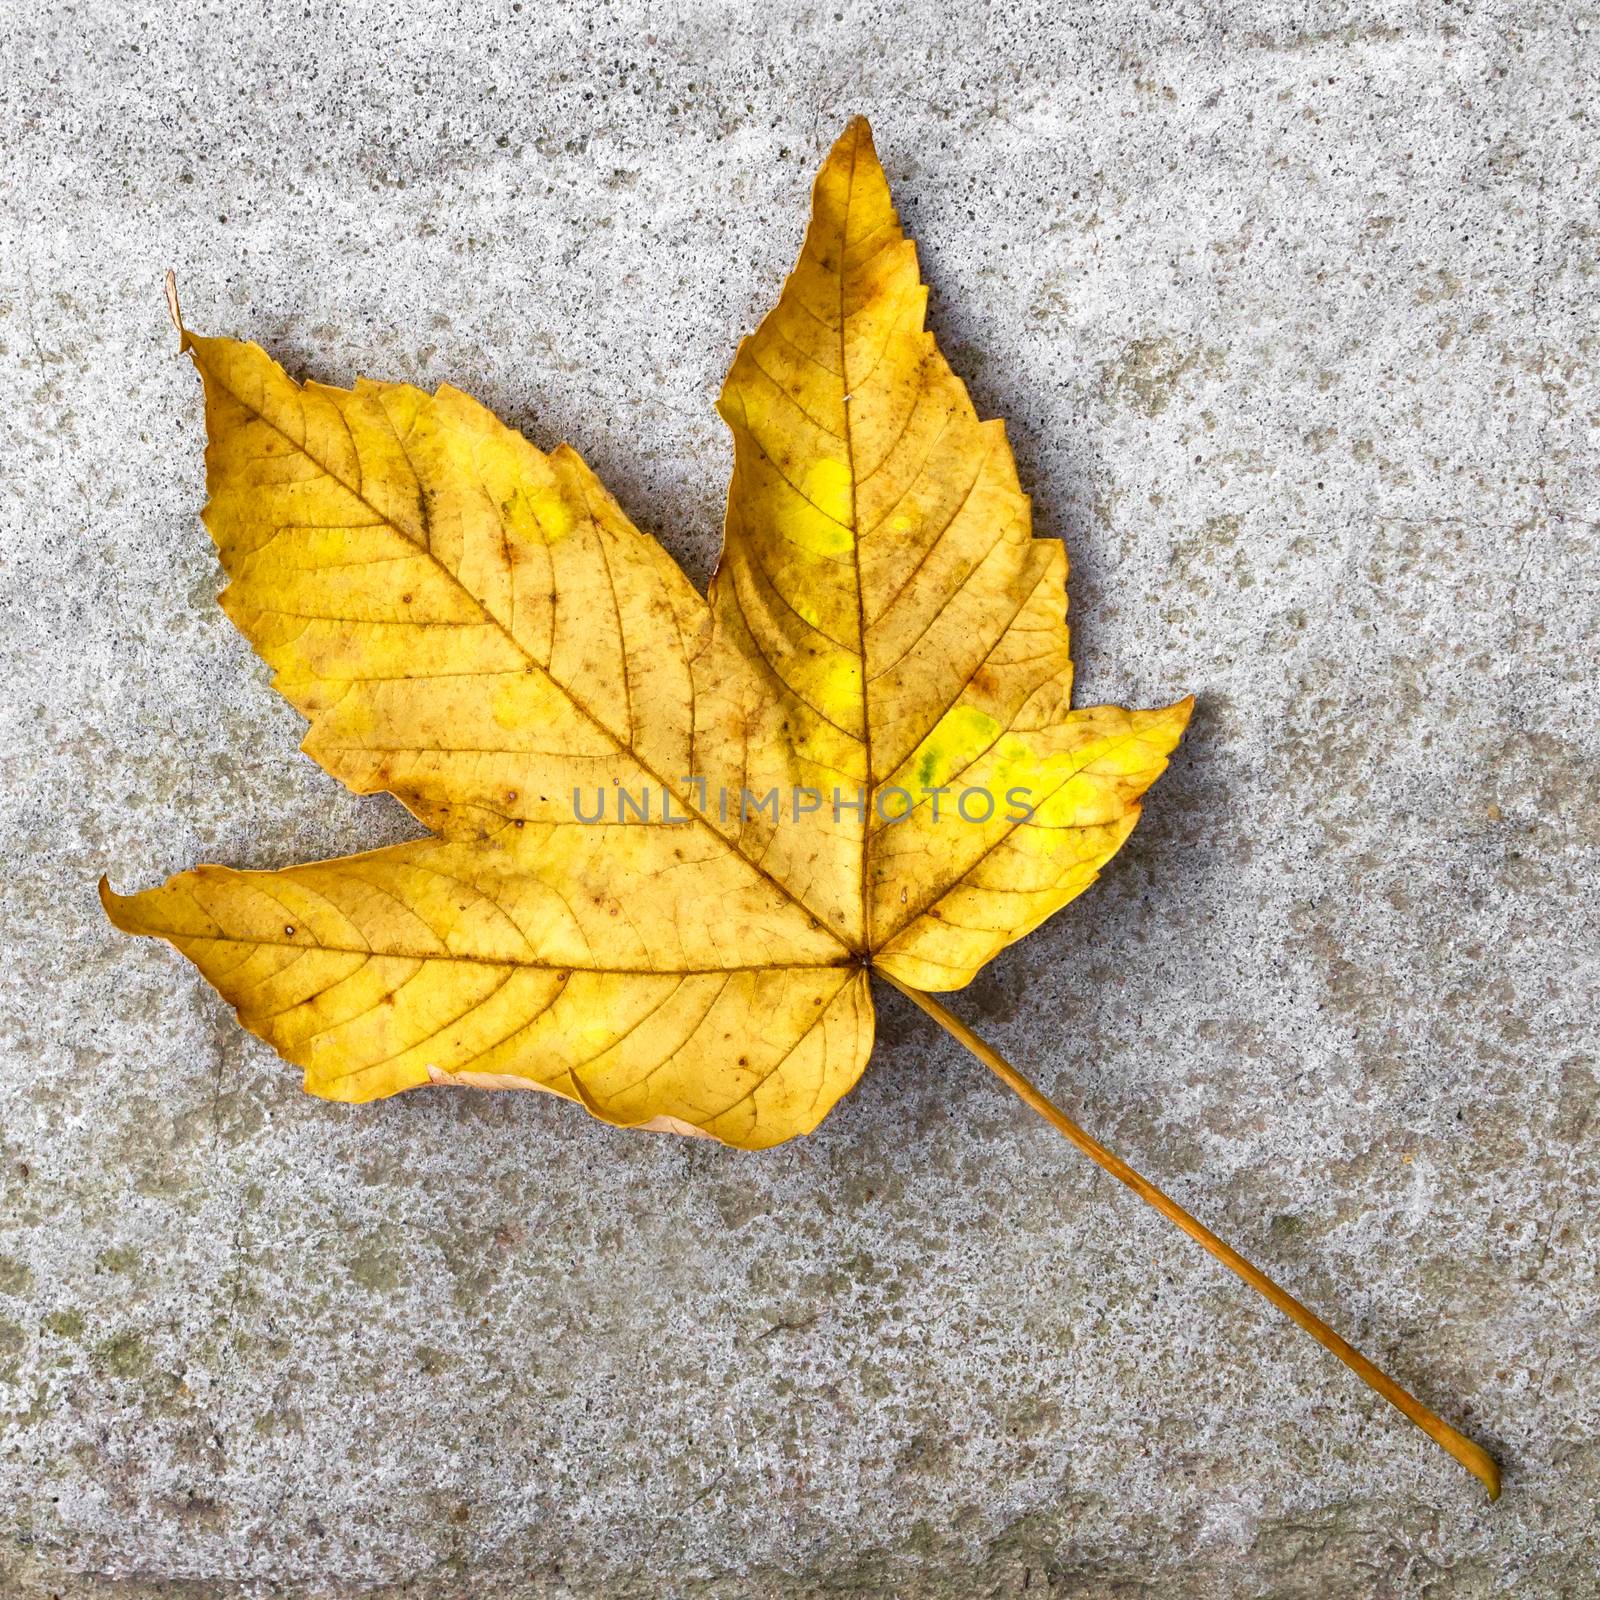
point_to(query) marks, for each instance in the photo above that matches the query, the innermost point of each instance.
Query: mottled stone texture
(1292, 313)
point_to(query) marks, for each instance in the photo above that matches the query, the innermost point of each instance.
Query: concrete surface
(1292, 313)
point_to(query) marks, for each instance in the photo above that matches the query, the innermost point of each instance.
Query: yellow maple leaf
(671, 837)
(801, 778)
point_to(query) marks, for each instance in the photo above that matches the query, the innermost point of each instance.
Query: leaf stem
(1473, 1457)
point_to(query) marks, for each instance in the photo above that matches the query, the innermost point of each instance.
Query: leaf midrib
(517, 962)
(847, 389)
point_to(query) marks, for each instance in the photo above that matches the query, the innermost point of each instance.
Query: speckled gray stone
(1291, 310)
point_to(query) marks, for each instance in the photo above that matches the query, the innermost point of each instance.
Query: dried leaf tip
(112, 903)
(175, 312)
(854, 143)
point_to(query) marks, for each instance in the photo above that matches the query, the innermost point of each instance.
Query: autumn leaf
(477, 627)
(671, 838)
